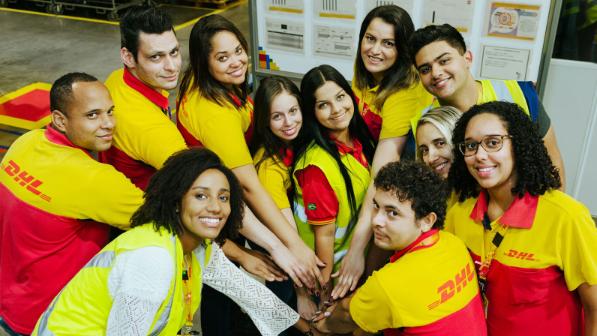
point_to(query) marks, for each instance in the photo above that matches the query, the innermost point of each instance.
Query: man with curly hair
(429, 287)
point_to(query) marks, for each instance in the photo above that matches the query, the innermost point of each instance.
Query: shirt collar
(373, 89)
(520, 214)
(59, 138)
(357, 147)
(416, 245)
(161, 100)
(356, 150)
(287, 156)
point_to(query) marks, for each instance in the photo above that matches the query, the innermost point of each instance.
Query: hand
(305, 306)
(319, 321)
(260, 265)
(308, 271)
(351, 269)
(325, 298)
(282, 256)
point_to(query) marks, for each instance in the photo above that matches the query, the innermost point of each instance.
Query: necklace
(187, 294)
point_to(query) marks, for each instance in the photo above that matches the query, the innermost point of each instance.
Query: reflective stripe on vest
(501, 90)
(160, 324)
(102, 259)
(105, 260)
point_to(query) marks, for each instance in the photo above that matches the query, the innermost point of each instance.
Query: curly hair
(414, 181)
(168, 186)
(535, 173)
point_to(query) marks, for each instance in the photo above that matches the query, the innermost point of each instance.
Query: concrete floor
(41, 48)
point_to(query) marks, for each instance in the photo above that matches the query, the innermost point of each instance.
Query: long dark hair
(197, 76)
(534, 170)
(169, 184)
(314, 131)
(401, 74)
(269, 89)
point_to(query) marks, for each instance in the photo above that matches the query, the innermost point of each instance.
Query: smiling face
(493, 171)
(227, 59)
(378, 48)
(158, 60)
(205, 207)
(394, 223)
(88, 122)
(333, 108)
(434, 149)
(285, 117)
(443, 70)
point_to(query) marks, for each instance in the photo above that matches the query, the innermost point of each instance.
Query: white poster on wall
(334, 41)
(504, 63)
(285, 6)
(336, 9)
(407, 5)
(457, 13)
(285, 35)
(516, 21)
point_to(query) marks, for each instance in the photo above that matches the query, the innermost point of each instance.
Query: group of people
(415, 201)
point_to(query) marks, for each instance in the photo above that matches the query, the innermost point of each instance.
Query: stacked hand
(319, 320)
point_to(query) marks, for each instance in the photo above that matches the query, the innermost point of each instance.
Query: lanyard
(496, 241)
(187, 294)
(168, 112)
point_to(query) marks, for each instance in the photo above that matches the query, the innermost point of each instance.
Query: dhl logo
(520, 255)
(24, 179)
(453, 286)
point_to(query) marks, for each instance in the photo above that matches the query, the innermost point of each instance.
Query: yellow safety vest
(83, 306)
(359, 177)
(493, 90)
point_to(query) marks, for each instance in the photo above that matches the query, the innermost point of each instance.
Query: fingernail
(326, 314)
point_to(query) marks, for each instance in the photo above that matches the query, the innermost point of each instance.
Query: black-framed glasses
(490, 143)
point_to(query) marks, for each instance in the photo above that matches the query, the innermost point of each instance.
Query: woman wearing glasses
(534, 246)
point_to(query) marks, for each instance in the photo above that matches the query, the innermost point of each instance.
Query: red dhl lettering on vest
(24, 179)
(447, 290)
(520, 255)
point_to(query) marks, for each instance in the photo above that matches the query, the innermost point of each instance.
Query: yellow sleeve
(224, 135)
(578, 249)
(400, 108)
(275, 179)
(158, 142)
(112, 198)
(370, 306)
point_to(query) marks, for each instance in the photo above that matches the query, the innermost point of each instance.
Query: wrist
(232, 251)
(274, 247)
